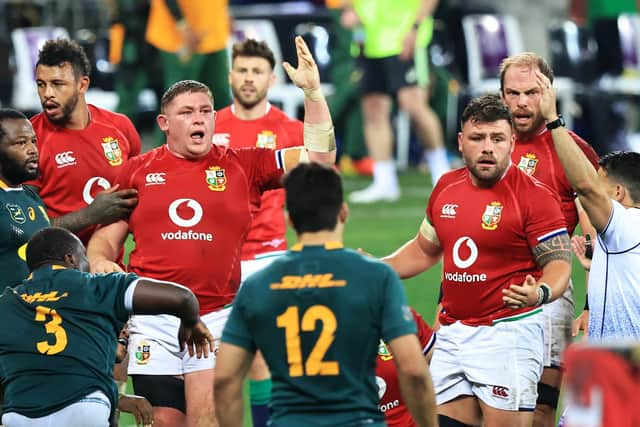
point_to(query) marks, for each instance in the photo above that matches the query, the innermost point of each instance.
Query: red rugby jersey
(392, 404)
(76, 164)
(193, 216)
(537, 157)
(487, 236)
(274, 130)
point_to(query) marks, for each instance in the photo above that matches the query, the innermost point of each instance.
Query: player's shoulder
(277, 114)
(523, 184)
(40, 125)
(107, 116)
(224, 115)
(451, 178)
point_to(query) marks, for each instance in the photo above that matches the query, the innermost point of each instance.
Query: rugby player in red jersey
(82, 147)
(251, 121)
(505, 251)
(396, 412)
(189, 226)
(535, 154)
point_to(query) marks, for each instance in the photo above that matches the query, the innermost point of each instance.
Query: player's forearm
(74, 221)
(426, 9)
(410, 260)
(106, 242)
(580, 172)
(418, 394)
(319, 136)
(556, 274)
(159, 297)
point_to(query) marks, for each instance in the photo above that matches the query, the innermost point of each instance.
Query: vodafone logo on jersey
(92, 186)
(464, 255)
(65, 159)
(186, 213)
(155, 178)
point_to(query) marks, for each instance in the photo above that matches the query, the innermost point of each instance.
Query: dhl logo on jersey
(40, 297)
(491, 216)
(308, 281)
(112, 150)
(216, 178)
(528, 163)
(266, 139)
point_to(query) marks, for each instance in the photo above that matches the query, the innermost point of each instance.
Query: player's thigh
(198, 388)
(449, 381)
(558, 318)
(92, 410)
(464, 409)
(504, 363)
(373, 77)
(493, 417)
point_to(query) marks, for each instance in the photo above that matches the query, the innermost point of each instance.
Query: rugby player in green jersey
(22, 213)
(58, 332)
(317, 314)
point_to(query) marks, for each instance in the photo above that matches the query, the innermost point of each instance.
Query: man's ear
(344, 213)
(163, 122)
(621, 193)
(71, 261)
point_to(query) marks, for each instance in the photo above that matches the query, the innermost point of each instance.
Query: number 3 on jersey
(290, 321)
(52, 327)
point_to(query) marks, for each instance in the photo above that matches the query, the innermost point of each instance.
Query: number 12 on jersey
(314, 365)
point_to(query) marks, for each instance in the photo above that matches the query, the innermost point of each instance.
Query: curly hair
(58, 51)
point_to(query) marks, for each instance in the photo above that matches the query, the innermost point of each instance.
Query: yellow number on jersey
(52, 327)
(315, 365)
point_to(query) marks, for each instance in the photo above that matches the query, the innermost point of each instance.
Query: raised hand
(112, 205)
(579, 245)
(306, 76)
(197, 339)
(547, 97)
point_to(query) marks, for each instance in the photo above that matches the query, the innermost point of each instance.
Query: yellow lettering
(308, 281)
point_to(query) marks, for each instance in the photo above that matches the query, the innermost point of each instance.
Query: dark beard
(14, 173)
(245, 105)
(67, 109)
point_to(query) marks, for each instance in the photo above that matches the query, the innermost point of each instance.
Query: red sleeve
(426, 336)
(132, 136)
(542, 223)
(587, 150)
(295, 129)
(263, 166)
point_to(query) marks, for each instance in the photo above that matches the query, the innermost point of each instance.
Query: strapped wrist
(544, 293)
(314, 94)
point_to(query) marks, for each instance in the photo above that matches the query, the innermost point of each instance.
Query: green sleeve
(397, 319)
(109, 291)
(236, 330)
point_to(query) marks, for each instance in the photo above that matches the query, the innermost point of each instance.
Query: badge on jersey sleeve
(491, 216)
(528, 163)
(216, 178)
(383, 351)
(266, 139)
(112, 150)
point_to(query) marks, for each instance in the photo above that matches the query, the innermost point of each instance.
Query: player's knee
(445, 421)
(548, 395)
(161, 390)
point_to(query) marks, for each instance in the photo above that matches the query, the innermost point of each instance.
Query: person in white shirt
(611, 199)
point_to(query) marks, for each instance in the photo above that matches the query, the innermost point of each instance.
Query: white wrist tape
(319, 137)
(313, 94)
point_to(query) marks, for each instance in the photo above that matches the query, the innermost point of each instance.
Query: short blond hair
(528, 60)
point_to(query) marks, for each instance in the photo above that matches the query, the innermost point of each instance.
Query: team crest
(383, 351)
(16, 213)
(216, 178)
(143, 353)
(491, 216)
(528, 163)
(266, 139)
(112, 151)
